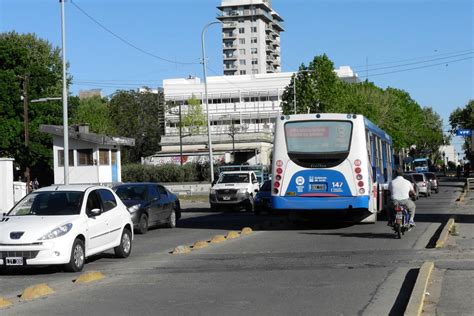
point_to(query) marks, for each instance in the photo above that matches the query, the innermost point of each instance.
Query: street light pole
(65, 116)
(211, 160)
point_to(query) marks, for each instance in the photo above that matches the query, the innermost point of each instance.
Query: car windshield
(418, 177)
(430, 176)
(49, 203)
(131, 192)
(234, 178)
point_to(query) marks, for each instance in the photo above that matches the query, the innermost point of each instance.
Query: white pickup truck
(234, 189)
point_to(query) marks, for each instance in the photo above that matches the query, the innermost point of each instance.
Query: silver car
(424, 185)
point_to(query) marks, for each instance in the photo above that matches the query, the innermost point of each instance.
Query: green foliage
(139, 115)
(319, 90)
(26, 59)
(194, 118)
(95, 112)
(463, 118)
(191, 172)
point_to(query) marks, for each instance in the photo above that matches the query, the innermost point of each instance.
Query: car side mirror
(254, 181)
(95, 212)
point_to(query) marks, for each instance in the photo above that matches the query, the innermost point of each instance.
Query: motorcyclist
(401, 191)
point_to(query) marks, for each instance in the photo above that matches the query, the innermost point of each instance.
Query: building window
(103, 157)
(253, 40)
(242, 62)
(253, 29)
(242, 51)
(241, 40)
(254, 71)
(254, 61)
(254, 50)
(241, 30)
(229, 44)
(61, 158)
(243, 72)
(84, 157)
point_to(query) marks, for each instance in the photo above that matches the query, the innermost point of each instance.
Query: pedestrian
(35, 184)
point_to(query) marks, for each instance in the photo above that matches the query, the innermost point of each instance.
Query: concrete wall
(6, 184)
(192, 188)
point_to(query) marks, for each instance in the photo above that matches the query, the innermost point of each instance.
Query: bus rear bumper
(295, 203)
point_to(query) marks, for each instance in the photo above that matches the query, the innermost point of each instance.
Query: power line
(363, 67)
(420, 62)
(421, 67)
(128, 42)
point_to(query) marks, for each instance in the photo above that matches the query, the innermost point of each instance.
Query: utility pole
(25, 79)
(65, 114)
(180, 138)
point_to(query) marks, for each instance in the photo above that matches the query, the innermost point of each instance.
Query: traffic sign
(463, 132)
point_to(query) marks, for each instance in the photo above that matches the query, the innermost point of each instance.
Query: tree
(194, 118)
(32, 63)
(139, 115)
(463, 118)
(95, 112)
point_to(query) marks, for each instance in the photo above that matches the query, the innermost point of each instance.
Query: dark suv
(431, 176)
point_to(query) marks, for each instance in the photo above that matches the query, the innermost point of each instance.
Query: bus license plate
(14, 261)
(318, 187)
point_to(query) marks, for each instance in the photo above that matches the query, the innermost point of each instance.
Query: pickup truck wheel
(250, 205)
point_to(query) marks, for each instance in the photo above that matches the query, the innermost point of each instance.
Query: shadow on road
(356, 235)
(403, 297)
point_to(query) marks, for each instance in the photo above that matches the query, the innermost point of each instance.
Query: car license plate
(14, 261)
(226, 198)
(318, 187)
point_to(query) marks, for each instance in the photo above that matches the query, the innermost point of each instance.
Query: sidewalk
(451, 287)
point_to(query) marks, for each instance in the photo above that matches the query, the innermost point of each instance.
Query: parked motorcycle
(401, 222)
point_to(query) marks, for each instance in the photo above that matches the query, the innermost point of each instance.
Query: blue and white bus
(330, 162)
(421, 164)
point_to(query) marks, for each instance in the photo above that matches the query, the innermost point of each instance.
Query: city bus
(421, 164)
(336, 163)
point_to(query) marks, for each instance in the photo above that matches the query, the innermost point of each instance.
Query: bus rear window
(318, 136)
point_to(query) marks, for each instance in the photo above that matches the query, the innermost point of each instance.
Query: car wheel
(250, 205)
(143, 224)
(78, 257)
(125, 248)
(172, 220)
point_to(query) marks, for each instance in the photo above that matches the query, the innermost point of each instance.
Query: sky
(425, 47)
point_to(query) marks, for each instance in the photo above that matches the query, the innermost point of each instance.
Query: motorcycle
(401, 223)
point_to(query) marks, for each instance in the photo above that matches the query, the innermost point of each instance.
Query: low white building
(93, 158)
(242, 112)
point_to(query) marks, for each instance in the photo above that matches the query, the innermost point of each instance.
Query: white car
(63, 225)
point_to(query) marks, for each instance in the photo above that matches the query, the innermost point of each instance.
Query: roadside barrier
(4, 303)
(89, 277)
(415, 304)
(443, 237)
(36, 291)
(470, 184)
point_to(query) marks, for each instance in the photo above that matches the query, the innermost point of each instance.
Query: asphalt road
(323, 267)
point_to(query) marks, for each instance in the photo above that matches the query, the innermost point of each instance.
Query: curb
(443, 237)
(200, 244)
(417, 297)
(89, 277)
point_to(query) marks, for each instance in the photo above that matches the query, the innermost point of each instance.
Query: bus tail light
(278, 177)
(361, 190)
(360, 183)
(357, 162)
(359, 177)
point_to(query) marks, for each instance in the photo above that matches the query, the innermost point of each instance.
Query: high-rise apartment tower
(250, 37)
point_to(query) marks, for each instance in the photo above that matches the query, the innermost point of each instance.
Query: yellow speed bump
(217, 239)
(247, 231)
(181, 249)
(36, 291)
(4, 303)
(233, 235)
(88, 277)
(443, 237)
(200, 244)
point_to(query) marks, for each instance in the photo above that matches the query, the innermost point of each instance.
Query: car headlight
(213, 191)
(242, 191)
(132, 209)
(57, 232)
